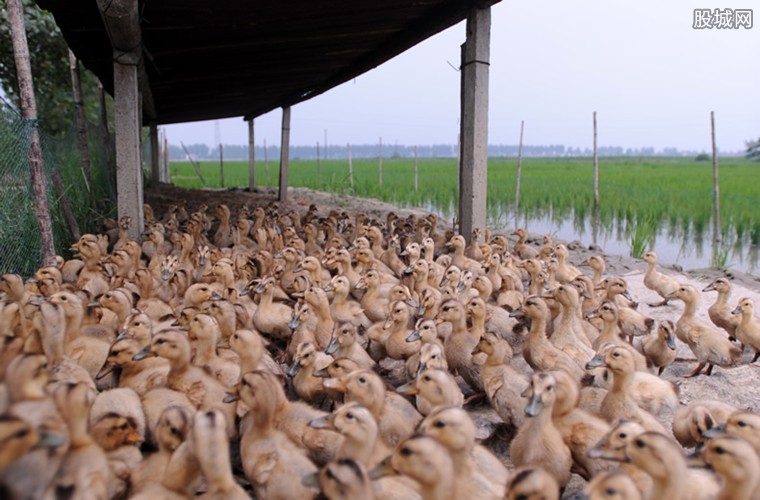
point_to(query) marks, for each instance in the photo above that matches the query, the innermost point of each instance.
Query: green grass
(674, 193)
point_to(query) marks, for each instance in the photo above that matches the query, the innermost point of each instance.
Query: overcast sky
(651, 77)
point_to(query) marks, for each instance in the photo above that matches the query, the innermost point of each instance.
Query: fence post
(29, 112)
(350, 168)
(596, 186)
(319, 170)
(84, 151)
(266, 162)
(415, 169)
(380, 162)
(284, 154)
(519, 174)
(251, 157)
(716, 190)
(221, 164)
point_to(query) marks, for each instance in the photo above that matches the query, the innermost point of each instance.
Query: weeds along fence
(90, 203)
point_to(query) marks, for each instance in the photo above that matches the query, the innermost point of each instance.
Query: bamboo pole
(266, 161)
(519, 175)
(28, 106)
(166, 159)
(716, 189)
(380, 162)
(595, 222)
(84, 150)
(415, 170)
(319, 170)
(350, 168)
(221, 164)
(251, 157)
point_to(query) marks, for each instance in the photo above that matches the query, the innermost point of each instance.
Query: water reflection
(688, 244)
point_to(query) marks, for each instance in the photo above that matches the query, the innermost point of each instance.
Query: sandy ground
(737, 386)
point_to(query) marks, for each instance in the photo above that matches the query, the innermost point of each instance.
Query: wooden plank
(284, 155)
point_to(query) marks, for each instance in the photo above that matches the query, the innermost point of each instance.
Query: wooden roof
(217, 59)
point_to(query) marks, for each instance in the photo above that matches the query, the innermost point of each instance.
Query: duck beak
(325, 422)
(421, 310)
(737, 310)
(215, 296)
(516, 312)
(627, 295)
(244, 291)
(443, 282)
(409, 270)
(122, 335)
(145, 353)
(105, 371)
(714, 431)
(133, 438)
(332, 346)
(382, 469)
(407, 389)
(592, 315)
(708, 288)
(165, 275)
(311, 480)
(231, 397)
(335, 384)
(328, 287)
(415, 335)
(534, 406)
(595, 362)
(224, 344)
(293, 324)
(202, 260)
(321, 373)
(595, 452)
(293, 370)
(48, 440)
(388, 322)
(671, 343)
(476, 350)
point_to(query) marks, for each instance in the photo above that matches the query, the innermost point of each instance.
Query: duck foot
(696, 370)
(475, 397)
(659, 304)
(709, 369)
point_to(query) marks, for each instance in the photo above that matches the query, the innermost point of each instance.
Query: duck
(322, 323)
(203, 390)
(579, 429)
(597, 265)
(745, 425)
(473, 463)
(612, 485)
(659, 348)
(306, 361)
(459, 259)
(612, 447)
(661, 458)
(708, 345)
(343, 308)
(398, 325)
(270, 459)
(503, 384)
(748, 329)
(691, 421)
(737, 463)
(375, 300)
(611, 334)
(397, 418)
(433, 388)
(521, 248)
(487, 317)
(223, 365)
(720, 312)
(249, 346)
(344, 344)
(212, 450)
(568, 335)
(19, 438)
(428, 463)
(658, 282)
(538, 352)
(632, 323)
(532, 482)
(271, 318)
(460, 343)
(538, 442)
(619, 402)
(140, 376)
(84, 470)
(565, 271)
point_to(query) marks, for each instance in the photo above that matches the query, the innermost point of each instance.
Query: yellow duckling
(720, 312)
(460, 343)
(748, 329)
(521, 247)
(611, 334)
(741, 424)
(478, 468)
(398, 329)
(270, 459)
(690, 422)
(737, 463)
(612, 447)
(343, 479)
(659, 348)
(19, 438)
(708, 345)
(539, 442)
(212, 450)
(612, 485)
(306, 361)
(204, 338)
(140, 376)
(375, 300)
(433, 388)
(532, 482)
(428, 463)
(502, 383)
(658, 282)
(343, 308)
(271, 318)
(344, 344)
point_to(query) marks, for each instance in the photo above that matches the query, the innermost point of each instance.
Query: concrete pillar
(251, 157)
(155, 168)
(284, 152)
(129, 181)
(473, 155)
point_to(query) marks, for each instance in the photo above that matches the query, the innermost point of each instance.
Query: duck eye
(439, 424)
(426, 378)
(362, 380)
(21, 433)
(160, 341)
(720, 450)
(741, 423)
(550, 388)
(350, 416)
(610, 491)
(405, 452)
(622, 435)
(640, 443)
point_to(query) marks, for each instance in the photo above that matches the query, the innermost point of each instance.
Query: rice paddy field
(665, 204)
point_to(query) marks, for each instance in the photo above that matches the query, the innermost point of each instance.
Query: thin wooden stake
(194, 164)
(166, 159)
(28, 106)
(106, 135)
(84, 150)
(266, 162)
(380, 162)
(596, 173)
(68, 214)
(519, 175)
(251, 157)
(221, 164)
(716, 189)
(319, 170)
(350, 168)
(415, 169)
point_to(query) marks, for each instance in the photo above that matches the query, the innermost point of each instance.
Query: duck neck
(359, 449)
(74, 317)
(690, 309)
(621, 381)
(610, 331)
(669, 482)
(205, 352)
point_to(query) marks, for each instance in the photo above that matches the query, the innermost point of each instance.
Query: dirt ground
(737, 386)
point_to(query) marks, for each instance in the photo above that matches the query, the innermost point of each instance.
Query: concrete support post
(155, 167)
(284, 152)
(251, 157)
(473, 155)
(129, 181)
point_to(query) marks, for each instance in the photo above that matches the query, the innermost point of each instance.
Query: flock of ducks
(282, 355)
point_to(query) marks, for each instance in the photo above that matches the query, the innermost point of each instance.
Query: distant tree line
(337, 152)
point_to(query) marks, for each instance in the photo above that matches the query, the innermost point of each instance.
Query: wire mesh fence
(90, 201)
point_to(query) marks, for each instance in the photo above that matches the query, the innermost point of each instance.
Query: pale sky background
(651, 77)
